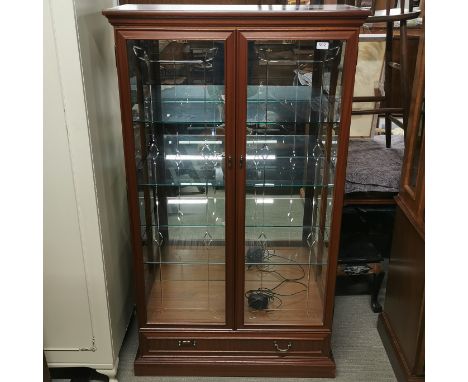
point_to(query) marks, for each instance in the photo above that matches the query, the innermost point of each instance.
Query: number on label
(322, 45)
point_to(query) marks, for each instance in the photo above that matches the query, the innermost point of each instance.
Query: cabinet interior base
(190, 292)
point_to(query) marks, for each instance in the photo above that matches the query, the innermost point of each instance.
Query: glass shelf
(186, 113)
(164, 226)
(294, 104)
(256, 185)
(267, 185)
(222, 224)
(291, 141)
(190, 104)
(274, 113)
(286, 263)
(287, 184)
(279, 255)
(284, 172)
(270, 236)
(188, 93)
(180, 183)
(279, 226)
(262, 172)
(207, 94)
(186, 262)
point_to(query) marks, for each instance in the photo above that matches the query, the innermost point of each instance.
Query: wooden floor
(189, 287)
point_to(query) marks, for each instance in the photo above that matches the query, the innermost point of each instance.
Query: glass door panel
(178, 111)
(293, 126)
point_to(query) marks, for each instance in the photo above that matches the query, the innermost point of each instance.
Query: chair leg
(404, 72)
(388, 82)
(376, 284)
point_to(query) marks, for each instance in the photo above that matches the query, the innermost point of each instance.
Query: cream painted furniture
(87, 267)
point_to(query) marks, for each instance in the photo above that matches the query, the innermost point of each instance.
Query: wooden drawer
(186, 344)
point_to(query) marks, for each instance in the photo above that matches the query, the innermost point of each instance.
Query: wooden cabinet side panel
(404, 303)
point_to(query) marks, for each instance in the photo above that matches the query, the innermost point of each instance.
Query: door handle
(282, 350)
(230, 161)
(241, 161)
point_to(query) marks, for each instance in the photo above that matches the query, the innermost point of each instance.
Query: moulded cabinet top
(221, 11)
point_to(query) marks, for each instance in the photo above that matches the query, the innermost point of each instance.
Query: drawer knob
(282, 350)
(187, 343)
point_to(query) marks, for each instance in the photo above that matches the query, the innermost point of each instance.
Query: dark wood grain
(412, 197)
(130, 170)
(397, 359)
(401, 325)
(160, 15)
(254, 366)
(404, 301)
(340, 175)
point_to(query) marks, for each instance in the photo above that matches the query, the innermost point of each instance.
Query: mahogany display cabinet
(235, 126)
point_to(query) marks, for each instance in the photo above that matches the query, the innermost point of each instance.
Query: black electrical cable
(260, 298)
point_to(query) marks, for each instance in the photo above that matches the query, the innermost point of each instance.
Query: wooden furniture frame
(235, 348)
(401, 324)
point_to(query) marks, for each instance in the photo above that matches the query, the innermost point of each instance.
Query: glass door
(292, 131)
(179, 113)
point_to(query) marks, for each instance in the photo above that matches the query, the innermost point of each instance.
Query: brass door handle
(241, 161)
(282, 350)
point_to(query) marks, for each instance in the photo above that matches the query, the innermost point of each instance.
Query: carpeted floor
(358, 350)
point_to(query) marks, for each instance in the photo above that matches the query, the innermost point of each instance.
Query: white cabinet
(87, 259)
